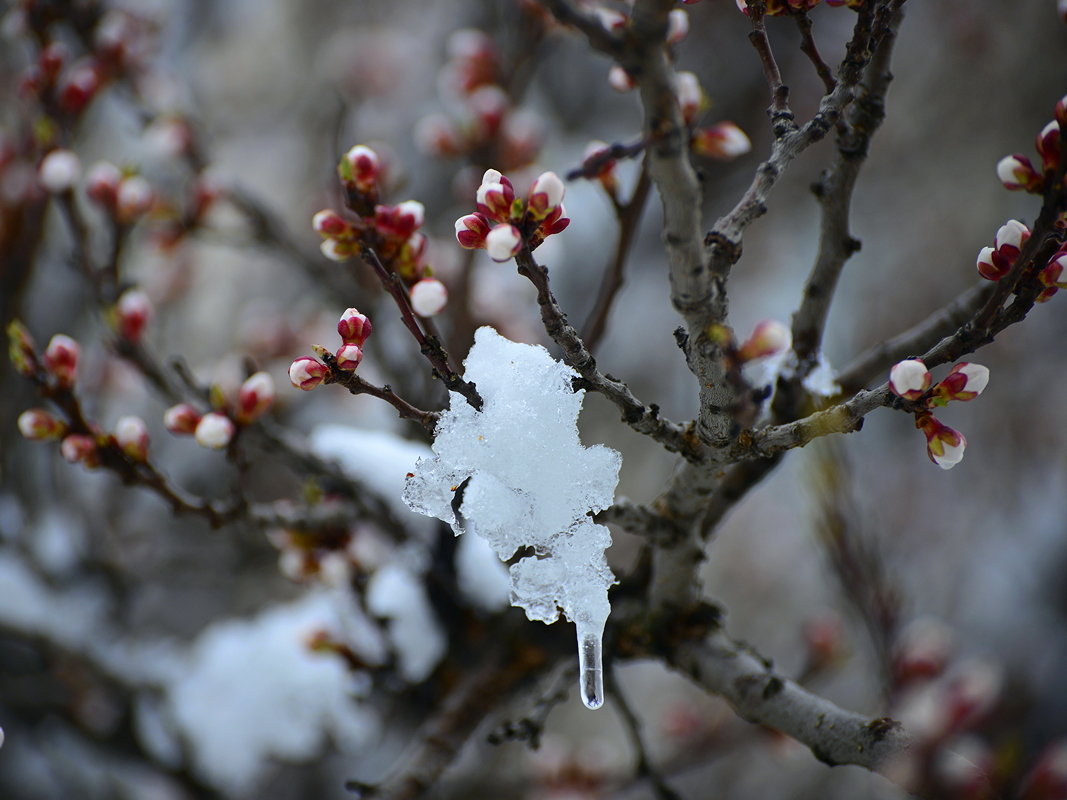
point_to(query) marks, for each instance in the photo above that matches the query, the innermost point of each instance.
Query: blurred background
(888, 585)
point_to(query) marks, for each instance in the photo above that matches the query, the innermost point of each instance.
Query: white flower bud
(909, 379)
(503, 242)
(59, 171)
(428, 297)
(214, 431)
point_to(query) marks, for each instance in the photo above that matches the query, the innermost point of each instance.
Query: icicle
(591, 667)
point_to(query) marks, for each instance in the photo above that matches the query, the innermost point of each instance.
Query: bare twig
(356, 385)
(644, 766)
(781, 116)
(811, 50)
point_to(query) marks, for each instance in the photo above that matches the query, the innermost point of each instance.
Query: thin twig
(356, 385)
(811, 50)
(644, 768)
(782, 121)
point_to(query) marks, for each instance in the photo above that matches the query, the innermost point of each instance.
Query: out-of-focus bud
(37, 424)
(724, 141)
(168, 137)
(1017, 172)
(1048, 778)
(348, 357)
(503, 242)
(336, 250)
(131, 434)
(79, 86)
(353, 327)
(546, 195)
(102, 184)
(400, 221)
(495, 196)
(254, 398)
(471, 231)
(51, 60)
(768, 337)
(21, 349)
(134, 199)
(488, 104)
(611, 19)
(59, 171)
(965, 382)
(597, 164)
(620, 80)
(824, 640)
(944, 445)
(1061, 104)
(306, 373)
(329, 223)
(677, 26)
(1048, 146)
(437, 135)
(181, 419)
(973, 691)
(690, 95)
(909, 379)
(214, 431)
(132, 314)
(922, 651)
(428, 297)
(361, 167)
(80, 449)
(61, 359)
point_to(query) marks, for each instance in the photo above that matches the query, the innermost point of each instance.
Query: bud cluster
(354, 328)
(911, 381)
(216, 429)
(480, 116)
(503, 223)
(995, 262)
(777, 8)
(1018, 173)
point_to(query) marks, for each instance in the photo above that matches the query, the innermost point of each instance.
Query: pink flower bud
(102, 184)
(133, 312)
(254, 398)
(306, 373)
(503, 242)
(495, 197)
(79, 86)
(353, 327)
(134, 198)
(348, 357)
(131, 434)
(80, 449)
(691, 96)
(555, 222)
(1048, 146)
(546, 195)
(1061, 104)
(1055, 272)
(922, 651)
(329, 223)
(399, 221)
(677, 26)
(964, 382)
(488, 104)
(59, 171)
(724, 141)
(768, 337)
(909, 379)
(61, 359)
(619, 79)
(944, 445)
(1017, 172)
(52, 59)
(471, 231)
(428, 297)
(437, 135)
(214, 431)
(181, 419)
(336, 250)
(36, 424)
(363, 167)
(992, 266)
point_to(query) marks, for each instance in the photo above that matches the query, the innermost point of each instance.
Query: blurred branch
(644, 768)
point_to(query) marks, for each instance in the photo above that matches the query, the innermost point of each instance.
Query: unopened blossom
(348, 357)
(306, 373)
(1048, 146)
(723, 141)
(922, 650)
(102, 184)
(768, 337)
(428, 297)
(964, 382)
(329, 223)
(21, 349)
(1061, 104)
(133, 311)
(996, 262)
(546, 195)
(495, 196)
(437, 135)
(488, 105)
(354, 327)
(37, 424)
(401, 220)
(61, 359)
(597, 153)
(134, 198)
(131, 434)
(610, 18)
(690, 95)
(78, 86)
(1017, 172)
(361, 167)
(254, 398)
(909, 379)
(181, 419)
(677, 26)
(78, 448)
(620, 80)
(944, 445)
(471, 231)
(503, 242)
(59, 171)
(1054, 273)
(214, 431)
(336, 250)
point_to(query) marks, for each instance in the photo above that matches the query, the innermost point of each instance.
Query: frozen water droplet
(591, 670)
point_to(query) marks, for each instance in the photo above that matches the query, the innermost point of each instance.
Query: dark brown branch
(570, 14)
(781, 116)
(811, 50)
(356, 385)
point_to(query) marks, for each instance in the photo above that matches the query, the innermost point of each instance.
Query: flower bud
(254, 398)
(1012, 234)
(306, 373)
(546, 195)
(36, 424)
(1048, 146)
(944, 445)
(214, 431)
(102, 184)
(611, 19)
(428, 297)
(400, 221)
(471, 231)
(361, 167)
(181, 419)
(909, 379)
(437, 135)
(620, 80)
(52, 59)
(488, 104)
(131, 434)
(922, 651)
(555, 222)
(724, 141)
(329, 223)
(1017, 172)
(1061, 104)
(691, 96)
(353, 327)
(348, 357)
(503, 242)
(597, 163)
(336, 250)
(991, 266)
(134, 199)
(61, 359)
(78, 448)
(133, 312)
(964, 382)
(1055, 272)
(59, 171)
(677, 26)
(495, 198)
(78, 86)
(768, 338)
(21, 349)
